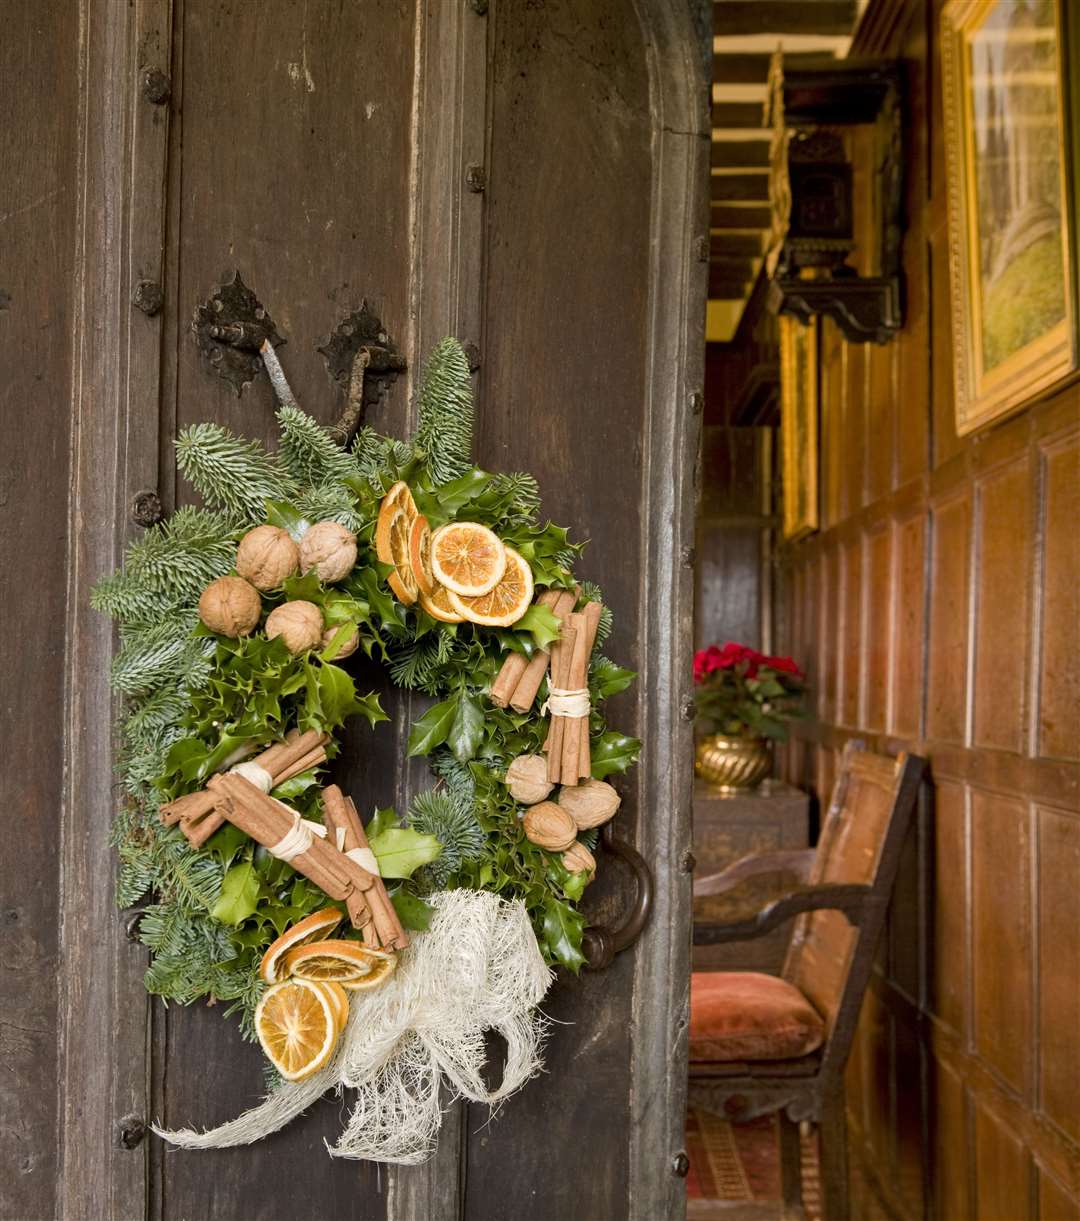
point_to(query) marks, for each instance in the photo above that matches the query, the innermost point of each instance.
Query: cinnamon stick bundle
(561, 654)
(506, 681)
(567, 745)
(533, 676)
(197, 813)
(339, 813)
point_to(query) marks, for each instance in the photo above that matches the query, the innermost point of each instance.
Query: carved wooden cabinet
(730, 826)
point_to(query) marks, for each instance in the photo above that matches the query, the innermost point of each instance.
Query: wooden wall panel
(961, 645)
(1059, 667)
(949, 582)
(1002, 599)
(1002, 1172)
(1001, 946)
(1059, 967)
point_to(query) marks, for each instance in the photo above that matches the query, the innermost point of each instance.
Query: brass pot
(732, 765)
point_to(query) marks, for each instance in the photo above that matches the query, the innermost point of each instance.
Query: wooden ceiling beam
(752, 67)
(737, 245)
(724, 216)
(728, 188)
(739, 154)
(732, 17)
(738, 114)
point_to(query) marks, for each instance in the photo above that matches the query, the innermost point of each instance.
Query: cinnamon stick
(533, 675)
(360, 910)
(561, 655)
(592, 612)
(390, 930)
(514, 666)
(576, 679)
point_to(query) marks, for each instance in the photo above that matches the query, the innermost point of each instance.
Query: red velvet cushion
(741, 1015)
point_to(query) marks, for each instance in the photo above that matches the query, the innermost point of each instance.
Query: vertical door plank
(38, 142)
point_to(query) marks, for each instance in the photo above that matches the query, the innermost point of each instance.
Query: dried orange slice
(381, 969)
(400, 496)
(467, 558)
(420, 554)
(339, 999)
(345, 962)
(312, 928)
(507, 602)
(392, 547)
(297, 1027)
(438, 606)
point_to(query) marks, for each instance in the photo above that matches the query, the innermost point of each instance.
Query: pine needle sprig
(156, 655)
(379, 458)
(180, 557)
(445, 435)
(236, 475)
(129, 600)
(308, 450)
(591, 592)
(330, 501)
(453, 824)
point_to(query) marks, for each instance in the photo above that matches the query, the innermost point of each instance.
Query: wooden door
(527, 175)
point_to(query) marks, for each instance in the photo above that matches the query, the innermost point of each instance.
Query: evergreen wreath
(197, 699)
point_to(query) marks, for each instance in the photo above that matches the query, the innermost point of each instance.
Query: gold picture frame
(1011, 205)
(799, 426)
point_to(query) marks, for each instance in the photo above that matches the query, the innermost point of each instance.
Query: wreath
(374, 956)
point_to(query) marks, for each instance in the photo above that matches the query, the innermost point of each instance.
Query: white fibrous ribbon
(298, 839)
(254, 774)
(562, 701)
(364, 857)
(418, 1039)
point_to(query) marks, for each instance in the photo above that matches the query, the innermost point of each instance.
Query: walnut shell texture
(526, 778)
(267, 556)
(578, 859)
(299, 624)
(230, 606)
(549, 826)
(330, 549)
(590, 804)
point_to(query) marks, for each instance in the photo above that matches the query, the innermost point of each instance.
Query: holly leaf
(413, 913)
(306, 588)
(239, 895)
(288, 517)
(466, 729)
(400, 851)
(541, 622)
(289, 790)
(607, 679)
(432, 728)
(615, 752)
(226, 843)
(381, 820)
(563, 928)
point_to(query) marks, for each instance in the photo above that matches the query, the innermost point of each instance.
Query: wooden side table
(727, 827)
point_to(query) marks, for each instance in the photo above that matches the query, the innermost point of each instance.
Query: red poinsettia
(745, 693)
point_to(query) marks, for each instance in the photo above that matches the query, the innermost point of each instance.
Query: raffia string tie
(254, 774)
(298, 839)
(364, 857)
(562, 701)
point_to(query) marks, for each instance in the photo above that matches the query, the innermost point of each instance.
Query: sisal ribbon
(298, 839)
(364, 857)
(570, 703)
(254, 774)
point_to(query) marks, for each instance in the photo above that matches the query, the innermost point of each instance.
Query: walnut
(578, 859)
(347, 647)
(328, 548)
(299, 624)
(549, 826)
(526, 778)
(589, 804)
(266, 556)
(230, 606)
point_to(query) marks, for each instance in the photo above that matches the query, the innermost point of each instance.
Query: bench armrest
(797, 861)
(853, 901)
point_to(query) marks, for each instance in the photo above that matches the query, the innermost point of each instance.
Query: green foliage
(232, 474)
(444, 438)
(310, 453)
(195, 698)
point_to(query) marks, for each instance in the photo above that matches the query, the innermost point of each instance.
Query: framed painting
(799, 425)
(1012, 204)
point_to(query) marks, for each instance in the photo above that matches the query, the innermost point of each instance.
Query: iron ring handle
(600, 942)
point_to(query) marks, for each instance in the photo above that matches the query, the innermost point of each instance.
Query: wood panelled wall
(939, 608)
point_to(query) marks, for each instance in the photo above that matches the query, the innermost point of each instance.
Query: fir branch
(444, 437)
(308, 450)
(180, 557)
(330, 502)
(591, 592)
(378, 459)
(130, 600)
(454, 825)
(238, 476)
(157, 655)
